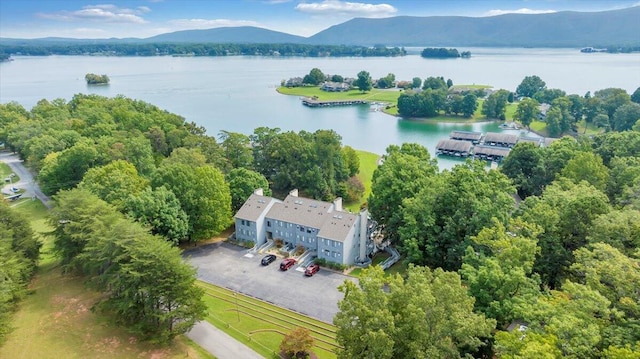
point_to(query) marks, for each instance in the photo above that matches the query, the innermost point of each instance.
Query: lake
(239, 93)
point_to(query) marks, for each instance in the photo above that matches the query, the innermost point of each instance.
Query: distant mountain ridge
(561, 29)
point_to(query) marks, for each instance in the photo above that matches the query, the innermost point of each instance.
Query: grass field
(376, 95)
(55, 320)
(368, 164)
(5, 171)
(261, 325)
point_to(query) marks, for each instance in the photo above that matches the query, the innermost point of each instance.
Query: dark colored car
(268, 259)
(287, 263)
(311, 270)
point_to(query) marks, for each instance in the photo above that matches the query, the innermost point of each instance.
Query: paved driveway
(31, 188)
(228, 266)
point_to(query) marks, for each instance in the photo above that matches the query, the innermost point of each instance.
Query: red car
(287, 263)
(311, 270)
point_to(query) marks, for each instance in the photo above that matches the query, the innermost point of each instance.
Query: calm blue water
(238, 93)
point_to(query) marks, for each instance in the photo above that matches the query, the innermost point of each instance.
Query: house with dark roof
(324, 227)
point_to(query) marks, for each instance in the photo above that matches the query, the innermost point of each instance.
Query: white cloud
(186, 24)
(100, 13)
(342, 8)
(517, 11)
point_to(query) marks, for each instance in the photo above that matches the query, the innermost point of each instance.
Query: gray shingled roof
(491, 151)
(500, 137)
(453, 145)
(466, 135)
(253, 207)
(535, 140)
(303, 211)
(337, 226)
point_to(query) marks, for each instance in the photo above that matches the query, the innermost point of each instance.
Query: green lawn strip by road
(55, 320)
(5, 171)
(368, 164)
(260, 325)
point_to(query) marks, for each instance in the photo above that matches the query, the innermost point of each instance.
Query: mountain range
(560, 29)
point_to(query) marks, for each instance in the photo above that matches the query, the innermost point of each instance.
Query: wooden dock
(314, 102)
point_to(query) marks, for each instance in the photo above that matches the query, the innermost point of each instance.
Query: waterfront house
(334, 86)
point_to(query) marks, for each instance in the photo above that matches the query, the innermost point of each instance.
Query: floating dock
(314, 102)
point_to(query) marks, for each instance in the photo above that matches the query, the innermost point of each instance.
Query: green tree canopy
(114, 182)
(587, 166)
(626, 116)
(314, 77)
(525, 167)
(495, 105)
(389, 322)
(529, 86)
(438, 222)
(203, 194)
(64, 170)
(498, 273)
(160, 210)
(19, 253)
(565, 212)
(242, 183)
(404, 172)
(527, 111)
(297, 342)
(363, 81)
(237, 149)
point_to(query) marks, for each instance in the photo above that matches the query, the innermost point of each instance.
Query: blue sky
(145, 18)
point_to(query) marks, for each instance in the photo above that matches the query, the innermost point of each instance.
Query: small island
(442, 53)
(93, 79)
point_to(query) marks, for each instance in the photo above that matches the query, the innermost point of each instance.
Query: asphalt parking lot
(228, 266)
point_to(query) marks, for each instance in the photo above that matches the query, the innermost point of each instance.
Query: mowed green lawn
(375, 95)
(55, 320)
(261, 325)
(368, 164)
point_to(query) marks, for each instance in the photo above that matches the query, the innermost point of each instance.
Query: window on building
(309, 230)
(268, 223)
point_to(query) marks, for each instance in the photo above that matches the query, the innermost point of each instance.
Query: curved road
(212, 339)
(26, 182)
